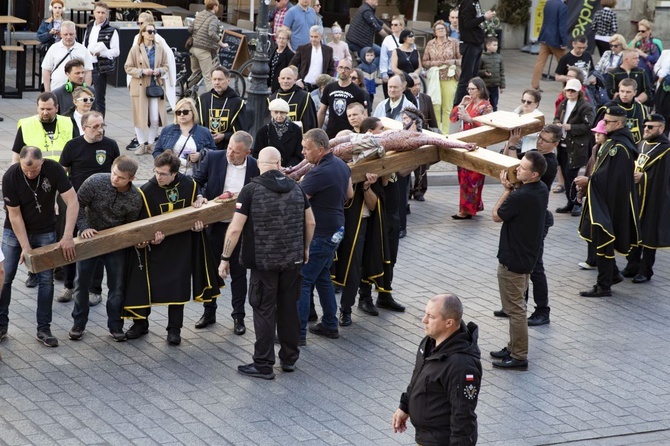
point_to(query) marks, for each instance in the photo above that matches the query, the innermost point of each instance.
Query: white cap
(279, 105)
(573, 84)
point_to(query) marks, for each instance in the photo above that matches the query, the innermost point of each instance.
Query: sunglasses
(182, 112)
(642, 30)
(140, 23)
(523, 101)
(151, 31)
(86, 100)
(650, 127)
(615, 45)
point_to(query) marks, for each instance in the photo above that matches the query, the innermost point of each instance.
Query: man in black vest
(363, 27)
(102, 41)
(275, 258)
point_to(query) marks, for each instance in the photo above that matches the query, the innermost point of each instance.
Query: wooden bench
(36, 65)
(13, 93)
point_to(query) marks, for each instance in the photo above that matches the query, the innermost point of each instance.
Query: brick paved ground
(597, 373)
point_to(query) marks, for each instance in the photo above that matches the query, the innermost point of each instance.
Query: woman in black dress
(280, 57)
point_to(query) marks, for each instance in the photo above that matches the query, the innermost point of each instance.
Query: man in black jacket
(442, 395)
(102, 41)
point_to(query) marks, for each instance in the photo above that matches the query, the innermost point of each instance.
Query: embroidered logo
(470, 391)
(100, 156)
(218, 120)
(613, 151)
(46, 185)
(172, 195)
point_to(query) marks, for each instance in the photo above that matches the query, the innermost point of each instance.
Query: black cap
(616, 111)
(655, 117)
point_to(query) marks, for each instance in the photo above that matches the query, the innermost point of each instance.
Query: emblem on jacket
(470, 391)
(340, 106)
(218, 120)
(46, 185)
(100, 156)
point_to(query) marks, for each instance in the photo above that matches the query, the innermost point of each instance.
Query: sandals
(559, 189)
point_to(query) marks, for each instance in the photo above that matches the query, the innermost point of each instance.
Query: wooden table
(8, 20)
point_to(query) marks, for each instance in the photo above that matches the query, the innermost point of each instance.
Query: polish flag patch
(238, 205)
(469, 378)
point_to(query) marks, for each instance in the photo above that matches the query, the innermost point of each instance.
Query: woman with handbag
(186, 138)
(442, 54)
(206, 40)
(147, 64)
(49, 30)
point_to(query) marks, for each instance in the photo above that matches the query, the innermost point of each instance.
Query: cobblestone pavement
(597, 373)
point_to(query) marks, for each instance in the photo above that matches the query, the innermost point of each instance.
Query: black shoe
(46, 338)
(139, 328)
(617, 279)
(511, 363)
(465, 217)
(500, 313)
(640, 278)
(565, 209)
(419, 197)
(174, 336)
(313, 318)
(501, 354)
(302, 342)
(389, 303)
(134, 144)
(409, 211)
(3, 332)
(576, 211)
(208, 318)
(319, 329)
(239, 327)
(76, 333)
(251, 370)
(536, 319)
(624, 272)
(596, 291)
(119, 336)
(345, 319)
(288, 367)
(402, 233)
(366, 306)
(31, 281)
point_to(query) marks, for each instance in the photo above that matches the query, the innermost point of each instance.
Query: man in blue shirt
(300, 19)
(553, 37)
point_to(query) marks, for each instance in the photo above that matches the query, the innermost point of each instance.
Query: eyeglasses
(96, 127)
(615, 45)
(523, 101)
(606, 121)
(440, 28)
(163, 174)
(86, 99)
(650, 126)
(642, 30)
(151, 31)
(410, 35)
(182, 112)
(548, 141)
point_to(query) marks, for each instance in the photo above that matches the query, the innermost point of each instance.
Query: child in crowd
(340, 48)
(492, 71)
(370, 69)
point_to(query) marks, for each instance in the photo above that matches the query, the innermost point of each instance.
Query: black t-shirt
(49, 128)
(337, 99)
(523, 215)
(583, 62)
(37, 208)
(552, 169)
(85, 159)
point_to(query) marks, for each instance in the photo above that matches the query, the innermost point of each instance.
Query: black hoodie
(273, 236)
(442, 396)
(225, 113)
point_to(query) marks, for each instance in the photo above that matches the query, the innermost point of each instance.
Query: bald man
(301, 108)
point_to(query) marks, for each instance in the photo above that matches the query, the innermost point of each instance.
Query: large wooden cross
(496, 129)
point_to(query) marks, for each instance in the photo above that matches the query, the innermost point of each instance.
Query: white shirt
(98, 47)
(77, 118)
(57, 52)
(315, 65)
(235, 177)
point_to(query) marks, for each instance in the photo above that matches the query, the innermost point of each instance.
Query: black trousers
(569, 174)
(273, 296)
(175, 315)
(538, 277)
(641, 260)
(238, 274)
(403, 187)
(420, 180)
(471, 58)
(100, 85)
(607, 268)
(348, 298)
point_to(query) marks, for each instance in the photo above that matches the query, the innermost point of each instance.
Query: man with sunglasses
(76, 73)
(652, 175)
(610, 216)
(83, 157)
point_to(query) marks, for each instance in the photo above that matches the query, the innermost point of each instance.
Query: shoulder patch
(470, 391)
(613, 150)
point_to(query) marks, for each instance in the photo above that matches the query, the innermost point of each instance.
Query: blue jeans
(45, 291)
(115, 263)
(316, 273)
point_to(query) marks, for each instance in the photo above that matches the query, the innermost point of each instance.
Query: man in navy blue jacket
(553, 37)
(222, 171)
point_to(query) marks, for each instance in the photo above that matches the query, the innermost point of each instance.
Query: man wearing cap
(301, 108)
(652, 175)
(636, 113)
(610, 217)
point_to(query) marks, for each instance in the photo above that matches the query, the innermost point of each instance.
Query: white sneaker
(584, 265)
(94, 299)
(66, 296)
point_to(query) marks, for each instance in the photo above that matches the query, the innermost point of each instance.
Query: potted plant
(515, 16)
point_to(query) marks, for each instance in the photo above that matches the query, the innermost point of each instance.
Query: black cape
(376, 251)
(223, 114)
(610, 215)
(301, 107)
(167, 274)
(654, 192)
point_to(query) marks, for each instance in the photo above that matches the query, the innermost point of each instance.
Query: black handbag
(155, 91)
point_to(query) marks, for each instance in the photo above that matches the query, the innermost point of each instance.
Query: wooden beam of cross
(496, 130)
